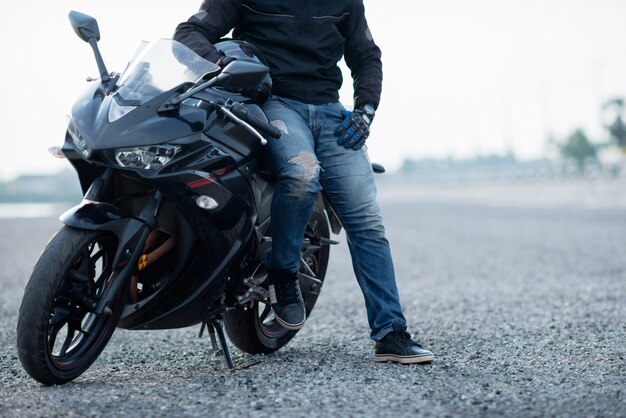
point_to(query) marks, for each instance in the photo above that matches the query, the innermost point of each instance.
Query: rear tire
(58, 338)
(255, 331)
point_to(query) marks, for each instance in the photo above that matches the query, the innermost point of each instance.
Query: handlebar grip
(241, 111)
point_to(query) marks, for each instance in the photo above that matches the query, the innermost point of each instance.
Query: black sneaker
(397, 346)
(286, 299)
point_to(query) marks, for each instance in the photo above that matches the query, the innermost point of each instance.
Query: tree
(578, 148)
(617, 128)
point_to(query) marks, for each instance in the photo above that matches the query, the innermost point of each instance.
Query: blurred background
(489, 92)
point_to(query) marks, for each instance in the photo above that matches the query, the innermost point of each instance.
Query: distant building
(63, 186)
(492, 168)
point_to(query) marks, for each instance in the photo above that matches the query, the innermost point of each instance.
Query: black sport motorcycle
(175, 221)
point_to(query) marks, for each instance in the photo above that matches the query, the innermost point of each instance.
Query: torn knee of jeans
(308, 162)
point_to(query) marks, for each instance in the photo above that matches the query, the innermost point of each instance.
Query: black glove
(224, 61)
(355, 128)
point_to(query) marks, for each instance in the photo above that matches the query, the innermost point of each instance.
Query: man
(321, 145)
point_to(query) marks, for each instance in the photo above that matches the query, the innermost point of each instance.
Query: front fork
(131, 232)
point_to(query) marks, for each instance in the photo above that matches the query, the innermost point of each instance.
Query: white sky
(461, 77)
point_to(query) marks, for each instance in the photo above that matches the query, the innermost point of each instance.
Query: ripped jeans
(306, 159)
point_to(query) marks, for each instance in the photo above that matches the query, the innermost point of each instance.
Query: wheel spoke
(98, 282)
(308, 249)
(97, 285)
(307, 269)
(266, 311)
(53, 334)
(60, 315)
(83, 279)
(98, 255)
(68, 340)
(80, 274)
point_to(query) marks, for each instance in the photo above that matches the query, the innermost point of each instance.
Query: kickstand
(214, 326)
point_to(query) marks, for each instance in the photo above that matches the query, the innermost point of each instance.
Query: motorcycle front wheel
(58, 335)
(256, 330)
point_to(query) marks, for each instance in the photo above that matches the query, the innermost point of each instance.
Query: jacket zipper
(305, 34)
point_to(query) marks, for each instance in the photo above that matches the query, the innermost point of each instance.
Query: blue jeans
(306, 159)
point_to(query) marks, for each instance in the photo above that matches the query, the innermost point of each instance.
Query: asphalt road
(523, 303)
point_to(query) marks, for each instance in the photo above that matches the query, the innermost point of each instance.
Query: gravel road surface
(521, 296)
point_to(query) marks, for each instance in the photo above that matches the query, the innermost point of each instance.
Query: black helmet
(245, 51)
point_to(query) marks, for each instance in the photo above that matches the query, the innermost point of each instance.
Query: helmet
(245, 51)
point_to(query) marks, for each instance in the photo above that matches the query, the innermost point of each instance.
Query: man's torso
(302, 42)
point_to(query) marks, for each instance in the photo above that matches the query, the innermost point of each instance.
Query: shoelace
(287, 292)
(403, 338)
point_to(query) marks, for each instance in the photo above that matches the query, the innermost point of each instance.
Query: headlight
(151, 157)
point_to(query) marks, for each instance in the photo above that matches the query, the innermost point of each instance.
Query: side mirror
(241, 75)
(238, 75)
(86, 27)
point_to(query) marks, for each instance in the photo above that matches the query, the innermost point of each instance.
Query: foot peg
(319, 240)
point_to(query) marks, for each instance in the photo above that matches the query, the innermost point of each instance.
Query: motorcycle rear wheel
(58, 337)
(256, 331)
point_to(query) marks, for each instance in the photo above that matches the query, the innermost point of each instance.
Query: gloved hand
(355, 127)
(225, 60)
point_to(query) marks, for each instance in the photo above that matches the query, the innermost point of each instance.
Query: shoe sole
(290, 327)
(380, 358)
(286, 325)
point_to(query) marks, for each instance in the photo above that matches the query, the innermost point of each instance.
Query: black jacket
(301, 40)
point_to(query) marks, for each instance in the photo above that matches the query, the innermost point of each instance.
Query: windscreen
(158, 67)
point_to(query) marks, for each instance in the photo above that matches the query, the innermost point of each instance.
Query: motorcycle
(174, 225)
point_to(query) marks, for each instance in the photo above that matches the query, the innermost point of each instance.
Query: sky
(461, 77)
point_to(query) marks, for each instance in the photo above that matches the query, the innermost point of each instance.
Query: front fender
(131, 234)
(95, 216)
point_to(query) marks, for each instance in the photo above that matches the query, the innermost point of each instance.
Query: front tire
(256, 331)
(58, 337)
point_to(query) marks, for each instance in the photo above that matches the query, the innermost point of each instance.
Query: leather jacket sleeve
(214, 20)
(362, 56)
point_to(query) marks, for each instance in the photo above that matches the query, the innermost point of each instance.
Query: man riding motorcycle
(321, 144)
